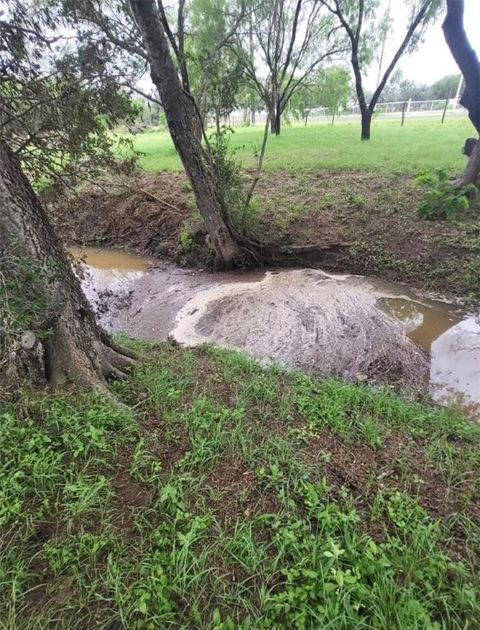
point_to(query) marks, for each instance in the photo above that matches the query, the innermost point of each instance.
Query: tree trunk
(273, 121)
(278, 121)
(333, 117)
(217, 121)
(182, 115)
(67, 345)
(471, 175)
(468, 62)
(466, 59)
(366, 124)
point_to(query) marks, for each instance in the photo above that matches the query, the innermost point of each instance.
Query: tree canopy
(60, 96)
(367, 29)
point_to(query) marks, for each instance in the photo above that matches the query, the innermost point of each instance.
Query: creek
(304, 319)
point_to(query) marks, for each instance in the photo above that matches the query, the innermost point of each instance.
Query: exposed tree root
(257, 253)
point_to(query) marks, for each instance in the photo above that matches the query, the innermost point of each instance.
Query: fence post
(404, 109)
(408, 106)
(445, 110)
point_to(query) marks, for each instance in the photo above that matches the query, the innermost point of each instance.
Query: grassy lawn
(225, 497)
(419, 145)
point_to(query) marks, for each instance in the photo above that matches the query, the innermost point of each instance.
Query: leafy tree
(400, 89)
(303, 101)
(250, 101)
(446, 87)
(141, 29)
(330, 88)
(288, 41)
(215, 72)
(59, 98)
(334, 89)
(365, 31)
(48, 332)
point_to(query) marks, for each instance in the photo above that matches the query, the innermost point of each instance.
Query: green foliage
(332, 88)
(442, 199)
(18, 278)
(221, 502)
(446, 87)
(227, 171)
(186, 239)
(60, 103)
(215, 72)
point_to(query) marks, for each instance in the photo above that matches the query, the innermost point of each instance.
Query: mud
(303, 319)
(372, 215)
(306, 320)
(107, 277)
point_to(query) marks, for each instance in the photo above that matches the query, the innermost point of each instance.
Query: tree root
(258, 253)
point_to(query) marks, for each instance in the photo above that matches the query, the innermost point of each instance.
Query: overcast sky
(432, 60)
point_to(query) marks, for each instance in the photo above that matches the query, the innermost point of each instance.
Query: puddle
(107, 278)
(301, 318)
(453, 342)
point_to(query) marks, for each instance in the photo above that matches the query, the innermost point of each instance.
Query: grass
(224, 496)
(419, 145)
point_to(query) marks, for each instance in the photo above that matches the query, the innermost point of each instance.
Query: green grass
(419, 145)
(225, 496)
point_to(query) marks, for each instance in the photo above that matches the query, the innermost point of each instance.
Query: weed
(244, 522)
(442, 199)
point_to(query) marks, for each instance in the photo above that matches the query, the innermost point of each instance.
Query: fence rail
(440, 108)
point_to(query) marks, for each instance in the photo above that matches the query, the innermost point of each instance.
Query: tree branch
(466, 58)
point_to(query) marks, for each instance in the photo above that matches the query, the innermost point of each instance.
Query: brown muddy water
(304, 319)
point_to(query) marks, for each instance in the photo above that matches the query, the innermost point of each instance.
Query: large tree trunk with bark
(467, 61)
(182, 116)
(272, 118)
(69, 345)
(366, 123)
(471, 174)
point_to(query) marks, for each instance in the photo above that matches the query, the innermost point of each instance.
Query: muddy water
(304, 319)
(453, 343)
(107, 277)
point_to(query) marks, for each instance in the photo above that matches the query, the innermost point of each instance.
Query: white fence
(393, 110)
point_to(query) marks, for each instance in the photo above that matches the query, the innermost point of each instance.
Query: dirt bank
(369, 219)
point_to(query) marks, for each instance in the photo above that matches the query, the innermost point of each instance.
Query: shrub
(442, 200)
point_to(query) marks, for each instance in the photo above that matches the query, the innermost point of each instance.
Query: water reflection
(107, 278)
(451, 339)
(454, 345)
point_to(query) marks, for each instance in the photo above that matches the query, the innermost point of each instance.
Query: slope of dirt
(369, 219)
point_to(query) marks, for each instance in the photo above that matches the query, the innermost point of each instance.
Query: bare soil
(366, 222)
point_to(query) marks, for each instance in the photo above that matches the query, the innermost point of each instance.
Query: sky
(432, 60)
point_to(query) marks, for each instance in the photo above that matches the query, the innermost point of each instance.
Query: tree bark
(471, 174)
(278, 122)
(70, 345)
(273, 120)
(366, 123)
(465, 57)
(182, 117)
(469, 65)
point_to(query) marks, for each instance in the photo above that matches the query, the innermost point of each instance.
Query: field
(419, 145)
(227, 497)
